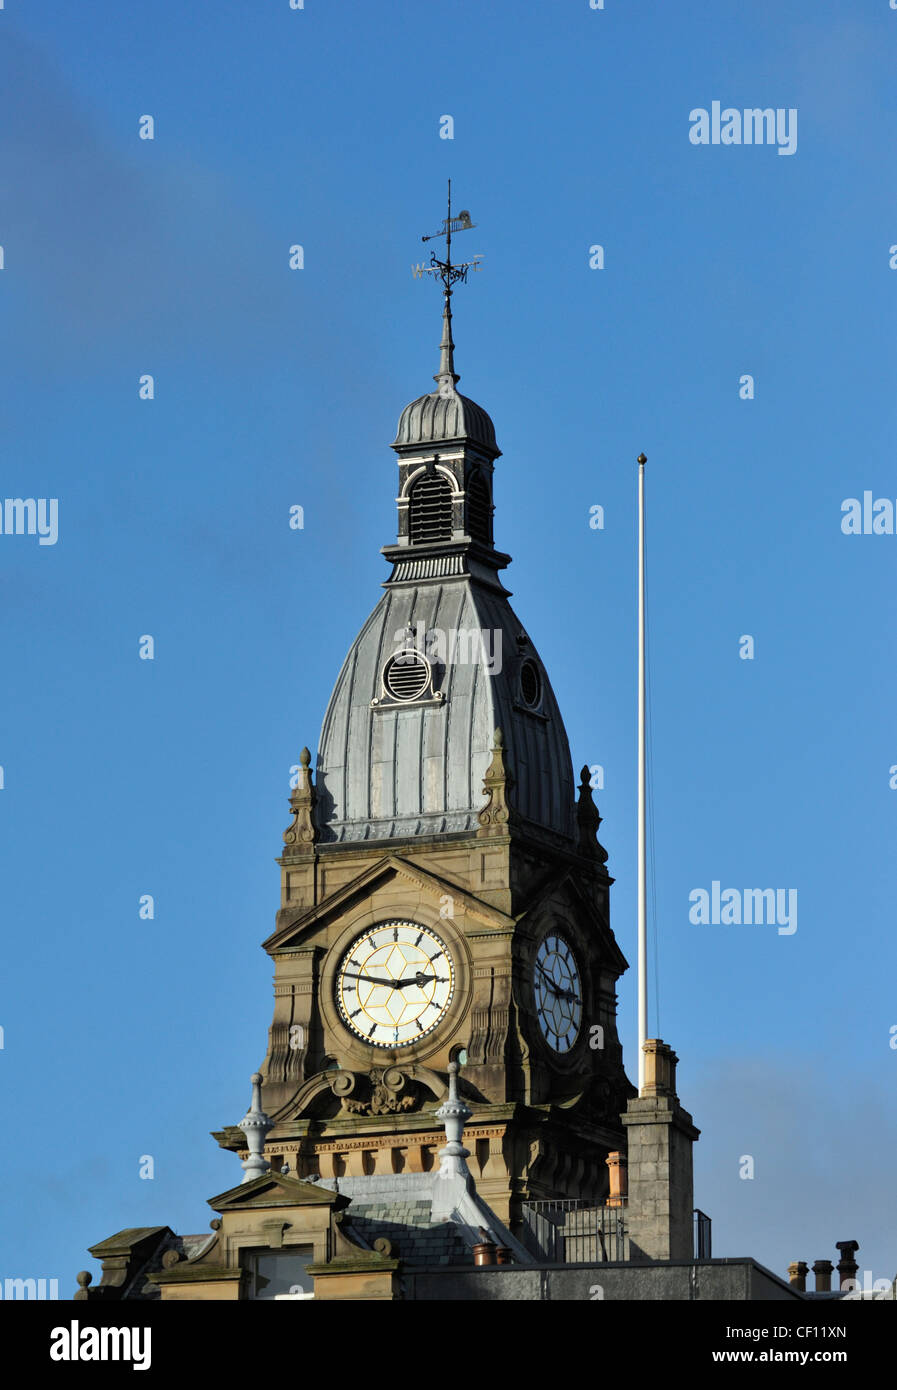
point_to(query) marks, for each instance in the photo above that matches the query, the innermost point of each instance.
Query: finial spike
(446, 376)
(255, 1124)
(299, 836)
(497, 815)
(454, 1114)
(589, 819)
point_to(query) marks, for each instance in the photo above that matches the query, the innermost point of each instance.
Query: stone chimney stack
(660, 1135)
(797, 1275)
(823, 1271)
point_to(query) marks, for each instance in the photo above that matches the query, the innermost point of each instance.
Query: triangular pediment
(566, 886)
(275, 1190)
(391, 866)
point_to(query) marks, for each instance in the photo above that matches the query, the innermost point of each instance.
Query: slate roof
(406, 1223)
(398, 1206)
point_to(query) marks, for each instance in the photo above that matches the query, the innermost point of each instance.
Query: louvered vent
(479, 512)
(406, 676)
(431, 510)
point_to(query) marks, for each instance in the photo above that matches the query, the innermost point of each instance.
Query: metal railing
(574, 1231)
(702, 1235)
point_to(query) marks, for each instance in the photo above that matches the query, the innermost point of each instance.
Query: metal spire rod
(449, 274)
(444, 270)
(642, 791)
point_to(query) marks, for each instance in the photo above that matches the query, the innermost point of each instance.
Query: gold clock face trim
(557, 989)
(395, 984)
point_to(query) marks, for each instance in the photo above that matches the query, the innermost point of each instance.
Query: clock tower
(444, 896)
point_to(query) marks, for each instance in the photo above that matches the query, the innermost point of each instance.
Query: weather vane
(444, 270)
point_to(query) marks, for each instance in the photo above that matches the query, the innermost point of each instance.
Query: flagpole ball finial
(642, 458)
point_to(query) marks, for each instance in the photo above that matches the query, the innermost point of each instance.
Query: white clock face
(558, 993)
(395, 984)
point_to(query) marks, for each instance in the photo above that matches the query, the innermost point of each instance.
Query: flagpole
(642, 797)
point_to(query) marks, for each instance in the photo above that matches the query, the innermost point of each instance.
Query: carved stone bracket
(381, 1092)
(273, 1231)
(343, 1084)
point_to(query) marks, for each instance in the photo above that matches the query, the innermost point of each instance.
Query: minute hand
(418, 979)
(551, 984)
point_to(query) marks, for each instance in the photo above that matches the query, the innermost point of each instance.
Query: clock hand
(372, 979)
(551, 984)
(421, 979)
(418, 979)
(566, 994)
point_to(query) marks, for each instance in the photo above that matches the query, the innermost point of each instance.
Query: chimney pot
(847, 1265)
(619, 1178)
(660, 1068)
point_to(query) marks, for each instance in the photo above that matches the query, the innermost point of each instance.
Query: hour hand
(566, 994)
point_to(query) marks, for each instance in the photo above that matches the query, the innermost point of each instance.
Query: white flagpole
(642, 799)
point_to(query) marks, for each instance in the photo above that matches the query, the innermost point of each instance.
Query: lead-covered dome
(440, 417)
(404, 749)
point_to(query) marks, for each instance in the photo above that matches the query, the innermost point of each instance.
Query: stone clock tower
(443, 892)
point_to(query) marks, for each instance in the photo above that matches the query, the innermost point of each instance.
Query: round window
(530, 684)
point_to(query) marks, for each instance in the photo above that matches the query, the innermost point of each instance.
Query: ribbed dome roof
(418, 768)
(439, 417)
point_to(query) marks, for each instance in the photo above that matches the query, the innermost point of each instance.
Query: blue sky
(122, 777)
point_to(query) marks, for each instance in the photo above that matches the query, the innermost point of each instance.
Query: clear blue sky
(124, 777)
